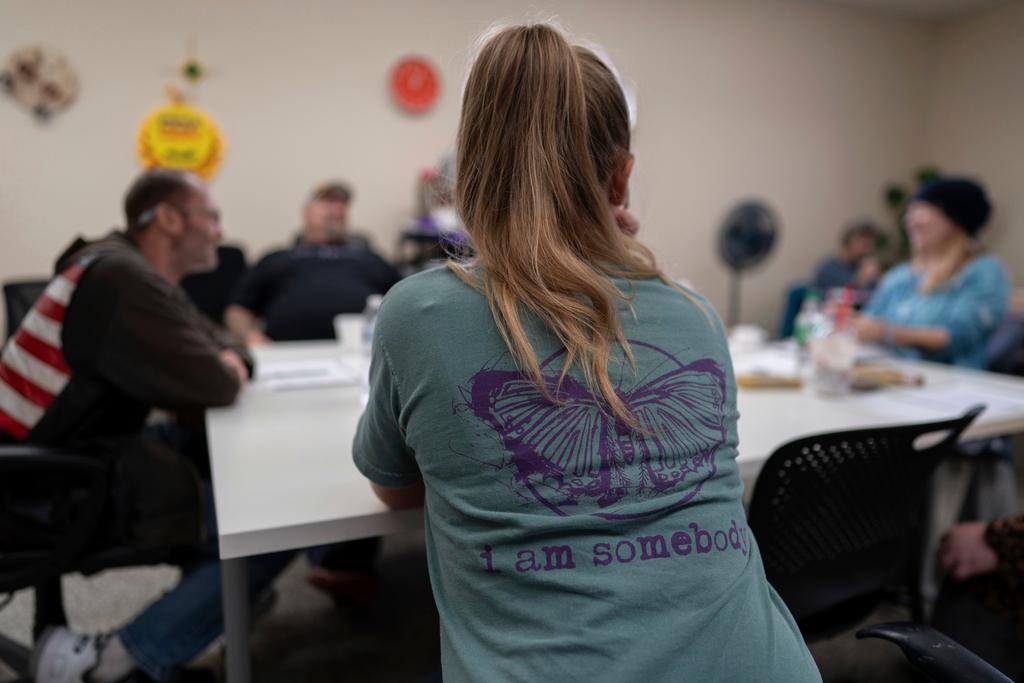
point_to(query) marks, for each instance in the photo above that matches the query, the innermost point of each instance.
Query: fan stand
(734, 298)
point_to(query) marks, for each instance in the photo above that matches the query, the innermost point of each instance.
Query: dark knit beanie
(962, 200)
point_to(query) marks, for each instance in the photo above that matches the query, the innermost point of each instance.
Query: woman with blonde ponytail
(566, 415)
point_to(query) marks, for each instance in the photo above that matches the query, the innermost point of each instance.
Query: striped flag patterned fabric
(32, 367)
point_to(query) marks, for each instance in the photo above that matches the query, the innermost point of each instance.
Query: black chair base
(15, 656)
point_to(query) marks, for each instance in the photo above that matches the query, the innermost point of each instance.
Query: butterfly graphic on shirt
(572, 453)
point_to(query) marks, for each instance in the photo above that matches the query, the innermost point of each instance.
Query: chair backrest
(211, 292)
(839, 517)
(19, 297)
(1005, 350)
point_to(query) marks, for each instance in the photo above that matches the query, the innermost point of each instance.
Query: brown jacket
(132, 342)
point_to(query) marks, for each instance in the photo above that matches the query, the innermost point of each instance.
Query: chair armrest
(25, 457)
(937, 656)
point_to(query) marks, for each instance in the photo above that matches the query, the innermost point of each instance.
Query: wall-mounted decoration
(40, 79)
(415, 84)
(191, 70)
(180, 136)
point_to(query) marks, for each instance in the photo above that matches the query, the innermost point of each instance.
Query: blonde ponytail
(543, 128)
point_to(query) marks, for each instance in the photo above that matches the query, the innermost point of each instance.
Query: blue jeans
(183, 622)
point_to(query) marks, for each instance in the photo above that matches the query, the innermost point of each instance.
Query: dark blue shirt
(834, 273)
(298, 291)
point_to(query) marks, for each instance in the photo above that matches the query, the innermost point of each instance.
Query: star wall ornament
(192, 70)
(40, 79)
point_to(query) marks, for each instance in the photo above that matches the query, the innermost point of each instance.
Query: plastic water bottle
(834, 349)
(808, 320)
(370, 315)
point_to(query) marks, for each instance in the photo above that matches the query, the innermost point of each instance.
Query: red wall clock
(415, 84)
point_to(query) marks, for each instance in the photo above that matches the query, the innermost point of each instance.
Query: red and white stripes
(32, 367)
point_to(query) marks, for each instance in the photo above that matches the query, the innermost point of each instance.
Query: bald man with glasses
(112, 337)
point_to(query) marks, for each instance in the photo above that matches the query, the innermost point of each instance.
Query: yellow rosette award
(182, 137)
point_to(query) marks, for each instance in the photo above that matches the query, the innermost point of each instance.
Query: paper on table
(948, 400)
(870, 353)
(323, 372)
(771, 362)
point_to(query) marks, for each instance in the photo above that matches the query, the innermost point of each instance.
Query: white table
(283, 474)
(283, 478)
(770, 418)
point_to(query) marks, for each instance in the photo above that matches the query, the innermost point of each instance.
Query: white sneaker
(63, 656)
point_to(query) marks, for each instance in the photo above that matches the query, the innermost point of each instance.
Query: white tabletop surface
(771, 417)
(283, 474)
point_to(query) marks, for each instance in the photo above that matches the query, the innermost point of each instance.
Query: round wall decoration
(40, 79)
(182, 137)
(415, 84)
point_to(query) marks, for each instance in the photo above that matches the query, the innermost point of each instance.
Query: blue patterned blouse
(969, 306)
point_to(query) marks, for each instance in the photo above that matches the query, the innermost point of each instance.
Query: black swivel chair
(19, 297)
(840, 519)
(51, 510)
(211, 292)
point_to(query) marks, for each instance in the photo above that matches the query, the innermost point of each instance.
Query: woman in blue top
(566, 415)
(945, 303)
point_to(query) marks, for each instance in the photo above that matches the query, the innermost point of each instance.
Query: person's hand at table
(626, 221)
(874, 331)
(964, 553)
(234, 362)
(256, 338)
(868, 330)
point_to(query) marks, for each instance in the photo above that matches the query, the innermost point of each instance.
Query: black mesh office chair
(939, 658)
(51, 506)
(19, 296)
(211, 292)
(840, 519)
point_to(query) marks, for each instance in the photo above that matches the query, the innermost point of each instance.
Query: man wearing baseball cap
(294, 293)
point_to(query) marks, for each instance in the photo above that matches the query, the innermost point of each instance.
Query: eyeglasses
(212, 214)
(148, 215)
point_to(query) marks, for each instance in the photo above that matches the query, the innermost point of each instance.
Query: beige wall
(809, 105)
(975, 120)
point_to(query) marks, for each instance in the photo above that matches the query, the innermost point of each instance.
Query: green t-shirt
(562, 545)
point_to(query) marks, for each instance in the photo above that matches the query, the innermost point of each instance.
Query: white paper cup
(348, 330)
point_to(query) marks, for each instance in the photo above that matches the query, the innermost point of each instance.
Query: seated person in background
(982, 606)
(945, 303)
(854, 265)
(573, 437)
(297, 292)
(113, 337)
